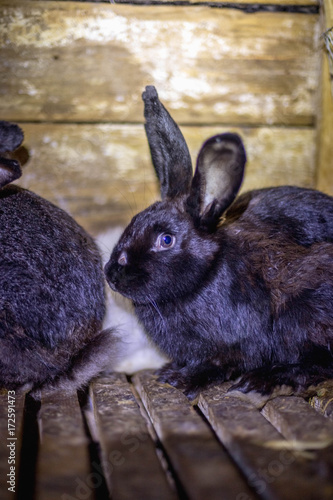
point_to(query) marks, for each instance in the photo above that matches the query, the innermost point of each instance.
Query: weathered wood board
(88, 62)
(103, 175)
(325, 111)
(129, 457)
(145, 440)
(280, 3)
(202, 466)
(63, 463)
(276, 468)
(327, 14)
(297, 421)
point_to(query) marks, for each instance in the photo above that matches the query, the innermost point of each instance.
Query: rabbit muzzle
(117, 276)
(111, 275)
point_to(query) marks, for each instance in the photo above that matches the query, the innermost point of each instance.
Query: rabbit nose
(122, 260)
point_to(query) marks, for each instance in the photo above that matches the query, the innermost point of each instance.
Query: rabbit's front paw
(254, 381)
(262, 384)
(182, 378)
(191, 379)
(172, 374)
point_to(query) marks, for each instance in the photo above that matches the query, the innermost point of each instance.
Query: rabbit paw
(190, 379)
(300, 379)
(259, 386)
(263, 380)
(263, 384)
(172, 374)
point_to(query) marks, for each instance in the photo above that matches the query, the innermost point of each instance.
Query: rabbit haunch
(246, 288)
(52, 300)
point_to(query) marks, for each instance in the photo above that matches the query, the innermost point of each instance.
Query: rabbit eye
(167, 241)
(164, 242)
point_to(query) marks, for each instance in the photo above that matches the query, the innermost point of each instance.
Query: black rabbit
(52, 300)
(228, 288)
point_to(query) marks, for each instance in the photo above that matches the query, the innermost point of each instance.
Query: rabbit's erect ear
(217, 179)
(169, 151)
(10, 170)
(11, 136)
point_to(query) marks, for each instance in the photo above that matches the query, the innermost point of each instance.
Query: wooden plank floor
(139, 439)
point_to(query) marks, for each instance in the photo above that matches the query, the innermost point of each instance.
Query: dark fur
(52, 300)
(250, 296)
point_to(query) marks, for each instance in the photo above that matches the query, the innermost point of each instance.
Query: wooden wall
(72, 74)
(324, 163)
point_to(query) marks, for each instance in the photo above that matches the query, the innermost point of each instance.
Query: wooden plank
(88, 62)
(282, 3)
(297, 421)
(102, 174)
(129, 458)
(11, 424)
(63, 462)
(237, 4)
(273, 470)
(325, 115)
(202, 466)
(307, 432)
(327, 12)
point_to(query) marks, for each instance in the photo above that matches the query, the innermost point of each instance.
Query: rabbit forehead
(159, 217)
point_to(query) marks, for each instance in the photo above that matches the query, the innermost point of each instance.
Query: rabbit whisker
(155, 306)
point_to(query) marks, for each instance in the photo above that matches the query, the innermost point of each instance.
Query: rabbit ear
(169, 151)
(217, 179)
(10, 170)
(11, 136)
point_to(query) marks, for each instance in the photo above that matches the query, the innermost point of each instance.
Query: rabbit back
(286, 236)
(303, 215)
(52, 290)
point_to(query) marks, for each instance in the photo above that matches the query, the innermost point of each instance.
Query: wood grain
(273, 469)
(63, 462)
(88, 62)
(325, 113)
(129, 457)
(202, 466)
(103, 175)
(282, 3)
(309, 433)
(297, 421)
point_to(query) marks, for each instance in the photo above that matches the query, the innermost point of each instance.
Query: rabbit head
(169, 247)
